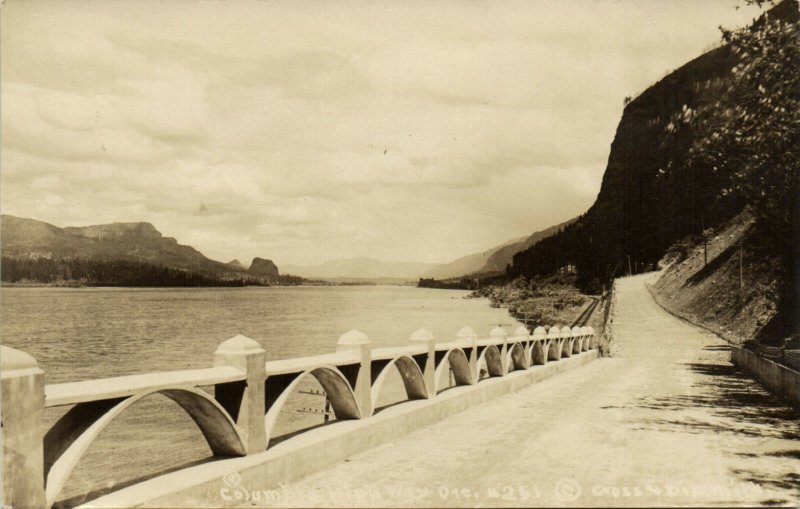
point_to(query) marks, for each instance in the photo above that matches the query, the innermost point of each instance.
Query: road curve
(667, 421)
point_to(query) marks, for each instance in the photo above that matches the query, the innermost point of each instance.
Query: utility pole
(630, 272)
(741, 271)
(705, 240)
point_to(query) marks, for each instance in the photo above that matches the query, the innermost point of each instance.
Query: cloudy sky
(307, 131)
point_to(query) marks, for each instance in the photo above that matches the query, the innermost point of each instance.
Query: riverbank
(545, 301)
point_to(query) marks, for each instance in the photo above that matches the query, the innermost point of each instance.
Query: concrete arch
(71, 436)
(460, 364)
(336, 387)
(554, 350)
(516, 358)
(410, 372)
(539, 352)
(494, 362)
(566, 347)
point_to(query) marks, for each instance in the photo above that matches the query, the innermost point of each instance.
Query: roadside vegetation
(542, 301)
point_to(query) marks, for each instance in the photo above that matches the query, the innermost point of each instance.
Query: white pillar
(425, 337)
(22, 392)
(523, 335)
(359, 342)
(540, 334)
(248, 406)
(468, 334)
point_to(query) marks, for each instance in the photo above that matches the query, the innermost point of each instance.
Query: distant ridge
(362, 268)
(137, 242)
(495, 259)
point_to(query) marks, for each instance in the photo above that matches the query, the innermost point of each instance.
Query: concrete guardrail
(249, 394)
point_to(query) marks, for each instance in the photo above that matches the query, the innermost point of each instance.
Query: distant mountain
(236, 264)
(469, 264)
(492, 260)
(139, 243)
(361, 268)
(504, 255)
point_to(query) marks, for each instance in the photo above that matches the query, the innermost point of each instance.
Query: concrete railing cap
(576, 331)
(498, 332)
(12, 359)
(239, 344)
(590, 330)
(421, 335)
(554, 332)
(466, 333)
(521, 331)
(539, 332)
(353, 337)
(584, 330)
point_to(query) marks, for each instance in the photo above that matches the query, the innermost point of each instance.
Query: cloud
(304, 131)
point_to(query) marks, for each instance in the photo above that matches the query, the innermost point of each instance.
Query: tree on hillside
(751, 135)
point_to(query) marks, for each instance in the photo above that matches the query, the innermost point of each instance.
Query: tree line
(88, 272)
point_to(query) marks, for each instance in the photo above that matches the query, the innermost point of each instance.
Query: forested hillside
(690, 153)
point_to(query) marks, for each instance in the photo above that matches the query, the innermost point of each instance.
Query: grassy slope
(710, 296)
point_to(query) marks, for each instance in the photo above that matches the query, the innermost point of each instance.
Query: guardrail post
(541, 335)
(359, 342)
(22, 392)
(586, 338)
(577, 340)
(499, 334)
(244, 401)
(423, 336)
(566, 340)
(468, 334)
(554, 350)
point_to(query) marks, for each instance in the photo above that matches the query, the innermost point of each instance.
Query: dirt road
(667, 421)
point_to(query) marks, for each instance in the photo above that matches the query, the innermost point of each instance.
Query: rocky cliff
(264, 269)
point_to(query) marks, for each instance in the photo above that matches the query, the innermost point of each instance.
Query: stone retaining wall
(781, 380)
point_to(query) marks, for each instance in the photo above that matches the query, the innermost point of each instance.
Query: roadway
(667, 421)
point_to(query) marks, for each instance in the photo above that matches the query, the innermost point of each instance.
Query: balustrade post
(554, 335)
(540, 334)
(592, 339)
(468, 334)
(523, 335)
(22, 392)
(359, 342)
(244, 401)
(425, 337)
(566, 341)
(499, 335)
(577, 338)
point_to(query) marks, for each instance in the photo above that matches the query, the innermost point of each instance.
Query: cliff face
(650, 199)
(265, 269)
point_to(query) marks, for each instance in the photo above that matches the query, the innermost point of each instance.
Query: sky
(306, 131)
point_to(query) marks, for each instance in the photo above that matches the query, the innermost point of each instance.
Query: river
(78, 334)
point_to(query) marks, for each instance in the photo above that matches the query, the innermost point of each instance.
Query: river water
(78, 334)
